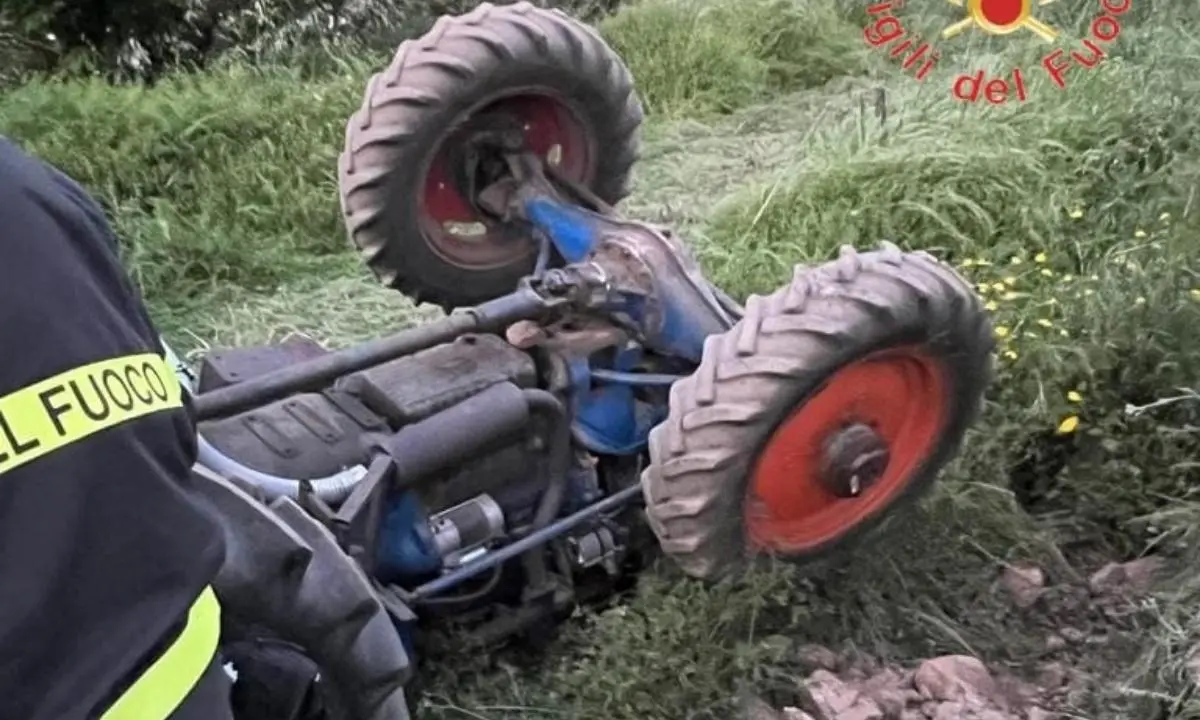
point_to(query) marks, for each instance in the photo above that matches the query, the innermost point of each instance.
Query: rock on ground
(952, 687)
(1024, 583)
(1128, 578)
(962, 687)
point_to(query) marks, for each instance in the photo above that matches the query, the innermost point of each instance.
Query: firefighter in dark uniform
(106, 557)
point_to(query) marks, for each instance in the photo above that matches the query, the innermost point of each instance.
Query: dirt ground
(1088, 625)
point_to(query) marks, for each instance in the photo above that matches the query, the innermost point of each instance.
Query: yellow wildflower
(1139, 301)
(1164, 217)
(1195, 293)
(1010, 354)
(1064, 333)
(1047, 272)
(1002, 331)
(1010, 295)
(1010, 281)
(1068, 277)
(1069, 425)
(1139, 234)
(983, 287)
(998, 287)
(991, 306)
(1074, 397)
(1015, 260)
(1076, 214)
(1040, 257)
(1045, 323)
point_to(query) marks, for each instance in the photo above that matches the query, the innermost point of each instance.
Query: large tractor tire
(405, 176)
(285, 572)
(833, 402)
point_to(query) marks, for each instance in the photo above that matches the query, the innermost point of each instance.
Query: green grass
(694, 57)
(1075, 213)
(162, 160)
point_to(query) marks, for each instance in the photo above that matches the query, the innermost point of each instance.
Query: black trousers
(210, 699)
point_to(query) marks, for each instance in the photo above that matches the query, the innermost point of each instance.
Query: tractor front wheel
(422, 146)
(834, 401)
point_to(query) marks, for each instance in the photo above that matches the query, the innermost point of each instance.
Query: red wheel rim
(453, 229)
(900, 395)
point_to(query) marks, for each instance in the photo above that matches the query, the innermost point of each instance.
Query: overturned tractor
(589, 399)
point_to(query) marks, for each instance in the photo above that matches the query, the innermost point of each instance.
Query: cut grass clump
(1168, 674)
(692, 57)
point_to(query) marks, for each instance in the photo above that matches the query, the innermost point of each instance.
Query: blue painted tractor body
(631, 311)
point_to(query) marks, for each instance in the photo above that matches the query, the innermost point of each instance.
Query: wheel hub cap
(852, 460)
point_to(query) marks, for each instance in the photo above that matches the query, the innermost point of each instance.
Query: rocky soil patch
(952, 687)
(1078, 620)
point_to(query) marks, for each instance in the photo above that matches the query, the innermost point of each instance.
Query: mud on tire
(396, 183)
(754, 382)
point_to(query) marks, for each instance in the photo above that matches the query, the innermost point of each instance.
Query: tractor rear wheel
(412, 166)
(834, 401)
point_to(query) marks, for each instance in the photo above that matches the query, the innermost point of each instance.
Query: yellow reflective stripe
(53, 413)
(161, 689)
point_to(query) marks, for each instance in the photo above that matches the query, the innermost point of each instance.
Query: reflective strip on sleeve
(162, 688)
(53, 413)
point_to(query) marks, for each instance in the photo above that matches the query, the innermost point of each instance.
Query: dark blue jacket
(103, 547)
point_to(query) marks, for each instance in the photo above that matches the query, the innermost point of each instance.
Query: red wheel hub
(453, 228)
(846, 453)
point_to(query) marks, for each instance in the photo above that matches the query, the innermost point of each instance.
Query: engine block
(316, 434)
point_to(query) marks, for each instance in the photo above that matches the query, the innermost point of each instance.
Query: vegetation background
(209, 128)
